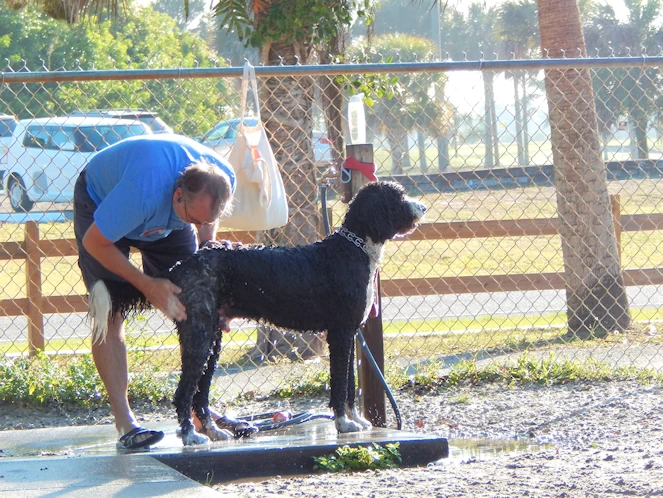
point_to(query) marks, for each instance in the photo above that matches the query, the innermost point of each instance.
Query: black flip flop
(131, 440)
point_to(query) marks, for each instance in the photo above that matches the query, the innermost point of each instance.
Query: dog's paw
(344, 424)
(365, 424)
(194, 438)
(216, 434)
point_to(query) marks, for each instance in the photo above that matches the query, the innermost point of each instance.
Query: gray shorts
(157, 256)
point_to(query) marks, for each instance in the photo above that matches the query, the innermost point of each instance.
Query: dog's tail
(101, 308)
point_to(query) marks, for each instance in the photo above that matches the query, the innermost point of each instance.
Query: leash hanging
(367, 352)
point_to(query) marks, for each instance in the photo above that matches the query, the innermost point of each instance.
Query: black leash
(367, 352)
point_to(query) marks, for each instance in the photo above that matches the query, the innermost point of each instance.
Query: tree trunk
(518, 116)
(489, 117)
(525, 119)
(596, 296)
(640, 123)
(286, 111)
(421, 143)
(400, 153)
(332, 101)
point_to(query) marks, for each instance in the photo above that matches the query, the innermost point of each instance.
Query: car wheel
(18, 196)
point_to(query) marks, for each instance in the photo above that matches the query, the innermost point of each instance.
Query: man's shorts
(158, 255)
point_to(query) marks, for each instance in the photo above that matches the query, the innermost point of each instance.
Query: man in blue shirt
(146, 192)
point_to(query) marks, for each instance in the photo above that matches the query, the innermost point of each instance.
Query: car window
(232, 131)
(36, 137)
(94, 138)
(218, 132)
(7, 127)
(61, 139)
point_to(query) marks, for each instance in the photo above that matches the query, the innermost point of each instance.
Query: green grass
(419, 259)
(349, 459)
(74, 382)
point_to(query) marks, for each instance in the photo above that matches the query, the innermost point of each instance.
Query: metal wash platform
(78, 461)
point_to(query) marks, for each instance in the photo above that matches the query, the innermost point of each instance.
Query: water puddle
(464, 449)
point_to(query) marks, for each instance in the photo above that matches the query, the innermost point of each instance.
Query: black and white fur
(325, 286)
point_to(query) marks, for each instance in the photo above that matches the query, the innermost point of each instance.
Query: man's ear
(177, 195)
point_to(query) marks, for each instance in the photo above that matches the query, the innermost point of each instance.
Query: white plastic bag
(260, 201)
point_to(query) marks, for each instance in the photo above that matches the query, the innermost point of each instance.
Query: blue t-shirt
(132, 183)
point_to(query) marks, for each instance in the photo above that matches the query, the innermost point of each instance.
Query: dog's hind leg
(351, 406)
(196, 336)
(340, 349)
(201, 398)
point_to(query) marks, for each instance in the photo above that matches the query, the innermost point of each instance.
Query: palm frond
(233, 14)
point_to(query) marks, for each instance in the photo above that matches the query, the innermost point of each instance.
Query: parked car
(7, 127)
(47, 154)
(223, 135)
(151, 119)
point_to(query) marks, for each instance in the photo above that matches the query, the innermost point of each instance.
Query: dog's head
(381, 211)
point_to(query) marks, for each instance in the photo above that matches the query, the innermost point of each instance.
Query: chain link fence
(482, 279)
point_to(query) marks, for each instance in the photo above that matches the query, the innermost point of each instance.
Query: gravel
(585, 440)
(581, 439)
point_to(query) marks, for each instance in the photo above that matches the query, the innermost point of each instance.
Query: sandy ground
(574, 440)
(588, 440)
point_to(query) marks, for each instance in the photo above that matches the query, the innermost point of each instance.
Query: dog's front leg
(340, 356)
(351, 407)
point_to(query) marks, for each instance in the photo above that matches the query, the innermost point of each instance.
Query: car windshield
(94, 138)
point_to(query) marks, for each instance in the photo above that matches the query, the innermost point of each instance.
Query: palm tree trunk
(489, 113)
(286, 111)
(421, 143)
(596, 296)
(400, 153)
(332, 102)
(525, 120)
(518, 115)
(640, 123)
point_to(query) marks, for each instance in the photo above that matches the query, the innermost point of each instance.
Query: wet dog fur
(325, 286)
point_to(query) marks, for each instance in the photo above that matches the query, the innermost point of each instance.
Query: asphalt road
(413, 308)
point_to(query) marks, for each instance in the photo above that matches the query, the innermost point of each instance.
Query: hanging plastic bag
(260, 202)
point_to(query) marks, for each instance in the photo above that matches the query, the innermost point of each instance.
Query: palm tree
(631, 91)
(518, 29)
(595, 292)
(474, 37)
(288, 33)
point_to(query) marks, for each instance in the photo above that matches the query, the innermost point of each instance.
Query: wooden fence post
(33, 285)
(617, 220)
(372, 396)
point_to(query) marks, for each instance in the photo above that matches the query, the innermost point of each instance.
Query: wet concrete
(73, 461)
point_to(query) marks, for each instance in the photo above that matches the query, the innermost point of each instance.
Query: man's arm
(162, 293)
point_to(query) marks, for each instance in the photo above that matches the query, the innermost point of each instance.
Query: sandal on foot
(139, 438)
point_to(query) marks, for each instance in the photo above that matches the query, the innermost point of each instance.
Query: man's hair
(202, 177)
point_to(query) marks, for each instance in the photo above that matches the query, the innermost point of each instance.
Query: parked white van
(48, 154)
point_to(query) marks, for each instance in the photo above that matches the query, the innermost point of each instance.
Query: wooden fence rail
(33, 250)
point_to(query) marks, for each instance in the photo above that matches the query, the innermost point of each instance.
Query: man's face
(197, 211)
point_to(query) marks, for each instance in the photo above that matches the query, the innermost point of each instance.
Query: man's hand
(162, 293)
(219, 244)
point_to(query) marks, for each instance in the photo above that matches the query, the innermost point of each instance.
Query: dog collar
(358, 241)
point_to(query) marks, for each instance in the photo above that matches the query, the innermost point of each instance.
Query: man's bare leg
(110, 357)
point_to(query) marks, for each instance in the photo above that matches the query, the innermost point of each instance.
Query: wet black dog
(325, 286)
